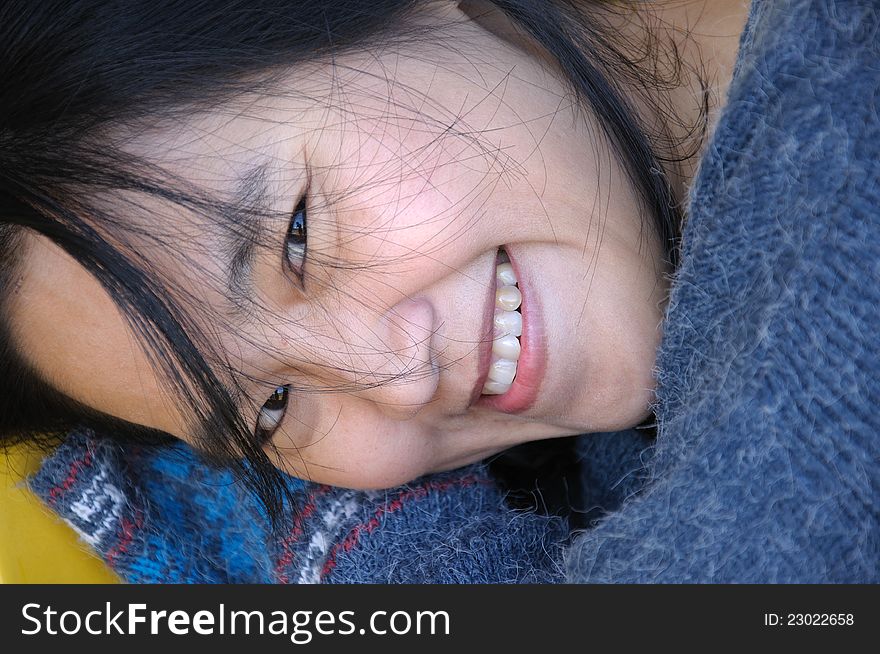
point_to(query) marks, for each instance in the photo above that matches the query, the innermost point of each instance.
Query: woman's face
(419, 162)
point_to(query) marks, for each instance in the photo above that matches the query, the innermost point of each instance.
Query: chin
(363, 474)
(610, 410)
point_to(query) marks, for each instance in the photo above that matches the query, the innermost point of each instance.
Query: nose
(387, 358)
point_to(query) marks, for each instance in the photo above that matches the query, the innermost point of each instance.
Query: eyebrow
(240, 239)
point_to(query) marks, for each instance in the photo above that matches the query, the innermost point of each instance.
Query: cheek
(623, 340)
(362, 450)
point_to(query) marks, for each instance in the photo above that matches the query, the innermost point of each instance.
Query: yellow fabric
(35, 545)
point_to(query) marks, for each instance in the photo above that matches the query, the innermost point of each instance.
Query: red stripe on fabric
(297, 531)
(73, 472)
(393, 506)
(128, 529)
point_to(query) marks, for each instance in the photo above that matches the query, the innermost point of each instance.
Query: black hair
(75, 70)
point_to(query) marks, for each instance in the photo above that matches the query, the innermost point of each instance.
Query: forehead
(452, 73)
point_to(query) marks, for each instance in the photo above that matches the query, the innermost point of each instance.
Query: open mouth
(514, 363)
(508, 328)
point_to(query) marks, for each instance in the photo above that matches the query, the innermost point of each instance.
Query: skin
(415, 212)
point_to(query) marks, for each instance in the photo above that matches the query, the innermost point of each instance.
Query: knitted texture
(164, 515)
(766, 464)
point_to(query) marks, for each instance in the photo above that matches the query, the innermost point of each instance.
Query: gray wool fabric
(766, 466)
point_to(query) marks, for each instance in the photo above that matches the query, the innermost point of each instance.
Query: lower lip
(532, 359)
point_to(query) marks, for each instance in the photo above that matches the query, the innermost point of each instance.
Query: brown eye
(295, 253)
(272, 413)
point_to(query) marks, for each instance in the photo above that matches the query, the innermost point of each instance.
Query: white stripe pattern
(98, 508)
(342, 509)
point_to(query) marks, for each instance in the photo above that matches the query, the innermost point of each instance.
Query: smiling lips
(508, 326)
(513, 365)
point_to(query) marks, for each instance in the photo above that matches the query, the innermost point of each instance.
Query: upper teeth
(508, 329)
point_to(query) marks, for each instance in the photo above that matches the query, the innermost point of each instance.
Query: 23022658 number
(820, 619)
